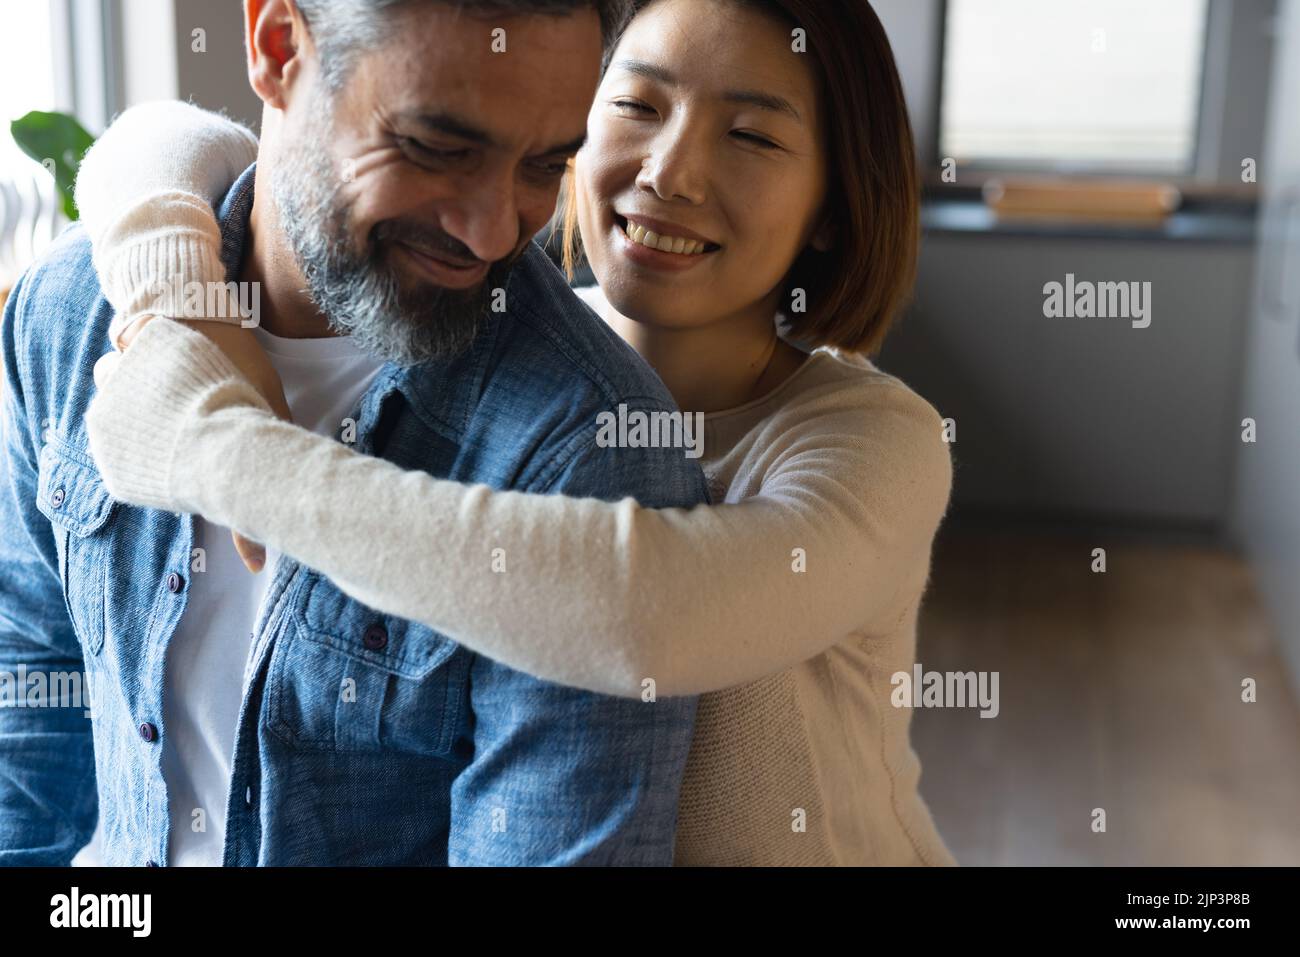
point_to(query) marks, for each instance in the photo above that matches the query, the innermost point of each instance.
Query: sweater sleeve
(599, 595)
(146, 192)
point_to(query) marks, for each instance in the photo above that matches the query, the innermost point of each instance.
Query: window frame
(1199, 169)
(87, 59)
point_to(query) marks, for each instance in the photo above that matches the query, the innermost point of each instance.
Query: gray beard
(359, 291)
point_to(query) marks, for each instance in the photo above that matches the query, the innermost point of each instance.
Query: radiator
(30, 217)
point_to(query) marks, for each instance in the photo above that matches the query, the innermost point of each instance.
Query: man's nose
(486, 219)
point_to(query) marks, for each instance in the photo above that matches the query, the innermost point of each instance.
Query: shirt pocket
(344, 677)
(71, 495)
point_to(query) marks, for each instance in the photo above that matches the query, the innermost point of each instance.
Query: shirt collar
(233, 218)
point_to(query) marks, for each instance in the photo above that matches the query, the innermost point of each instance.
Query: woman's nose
(675, 170)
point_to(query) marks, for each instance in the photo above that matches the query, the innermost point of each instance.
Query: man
(403, 168)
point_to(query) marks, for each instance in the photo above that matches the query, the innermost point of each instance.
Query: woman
(791, 602)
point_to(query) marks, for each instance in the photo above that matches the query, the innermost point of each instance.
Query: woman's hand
(243, 349)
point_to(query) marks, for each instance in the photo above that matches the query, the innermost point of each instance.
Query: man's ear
(275, 34)
(824, 238)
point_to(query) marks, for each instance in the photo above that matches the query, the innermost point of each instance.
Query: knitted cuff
(154, 404)
(162, 257)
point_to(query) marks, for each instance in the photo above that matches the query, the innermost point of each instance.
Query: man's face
(407, 194)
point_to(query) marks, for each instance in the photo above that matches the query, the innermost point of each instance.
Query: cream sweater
(788, 605)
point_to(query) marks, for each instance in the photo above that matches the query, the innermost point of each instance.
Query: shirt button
(148, 731)
(375, 638)
(248, 797)
(57, 497)
(174, 583)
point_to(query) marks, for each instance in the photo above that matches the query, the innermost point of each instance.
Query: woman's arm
(146, 192)
(601, 595)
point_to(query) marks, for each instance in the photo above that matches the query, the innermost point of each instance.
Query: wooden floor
(1119, 691)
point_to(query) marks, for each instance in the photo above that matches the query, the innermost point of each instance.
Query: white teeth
(668, 244)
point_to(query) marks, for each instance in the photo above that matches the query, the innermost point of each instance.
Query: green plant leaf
(58, 142)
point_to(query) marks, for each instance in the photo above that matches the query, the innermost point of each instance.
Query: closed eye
(551, 169)
(631, 106)
(762, 142)
(430, 154)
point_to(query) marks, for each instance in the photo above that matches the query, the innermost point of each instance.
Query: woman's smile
(703, 178)
(659, 245)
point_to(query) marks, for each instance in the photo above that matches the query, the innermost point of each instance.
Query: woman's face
(706, 128)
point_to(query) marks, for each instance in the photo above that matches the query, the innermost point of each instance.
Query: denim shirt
(433, 755)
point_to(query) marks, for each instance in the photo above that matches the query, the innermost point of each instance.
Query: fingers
(251, 553)
(130, 332)
(105, 365)
(242, 348)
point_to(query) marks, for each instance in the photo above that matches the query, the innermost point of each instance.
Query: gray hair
(342, 28)
(354, 283)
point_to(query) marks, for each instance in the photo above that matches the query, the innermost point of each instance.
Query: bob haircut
(854, 291)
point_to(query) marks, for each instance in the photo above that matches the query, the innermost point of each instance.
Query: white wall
(149, 50)
(1076, 421)
(166, 59)
(914, 28)
(1266, 513)
(215, 77)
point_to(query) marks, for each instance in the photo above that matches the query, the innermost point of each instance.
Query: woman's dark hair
(854, 291)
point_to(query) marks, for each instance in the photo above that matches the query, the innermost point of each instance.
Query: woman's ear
(824, 238)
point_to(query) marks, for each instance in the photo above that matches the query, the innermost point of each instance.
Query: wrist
(150, 420)
(162, 257)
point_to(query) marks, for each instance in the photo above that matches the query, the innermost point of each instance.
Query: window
(28, 216)
(1073, 85)
(26, 76)
(59, 55)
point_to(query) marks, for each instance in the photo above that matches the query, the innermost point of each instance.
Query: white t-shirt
(324, 380)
